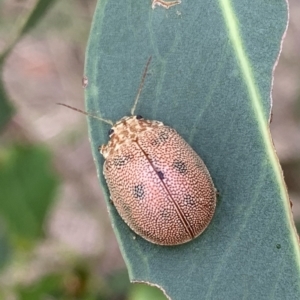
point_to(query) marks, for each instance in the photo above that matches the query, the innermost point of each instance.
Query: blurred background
(56, 241)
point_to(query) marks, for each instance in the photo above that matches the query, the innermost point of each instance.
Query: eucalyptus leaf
(210, 78)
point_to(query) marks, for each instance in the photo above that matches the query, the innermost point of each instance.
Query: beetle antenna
(87, 114)
(141, 86)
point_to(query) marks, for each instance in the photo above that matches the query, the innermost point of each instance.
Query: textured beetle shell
(158, 184)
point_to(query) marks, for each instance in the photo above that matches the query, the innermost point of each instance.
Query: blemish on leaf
(164, 4)
(84, 82)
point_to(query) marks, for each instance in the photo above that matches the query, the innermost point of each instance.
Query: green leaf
(6, 109)
(210, 79)
(48, 287)
(35, 16)
(27, 186)
(38, 12)
(5, 247)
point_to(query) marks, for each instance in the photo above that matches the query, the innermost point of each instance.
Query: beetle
(159, 185)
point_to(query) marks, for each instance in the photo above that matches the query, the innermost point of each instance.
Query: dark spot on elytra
(139, 117)
(188, 200)
(121, 161)
(180, 166)
(163, 136)
(126, 208)
(154, 142)
(165, 214)
(138, 191)
(160, 175)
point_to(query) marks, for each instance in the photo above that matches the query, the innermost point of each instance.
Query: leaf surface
(210, 78)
